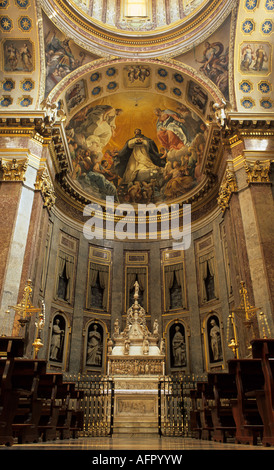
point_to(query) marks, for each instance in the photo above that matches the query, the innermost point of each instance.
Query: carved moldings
(136, 366)
(228, 186)
(258, 172)
(13, 170)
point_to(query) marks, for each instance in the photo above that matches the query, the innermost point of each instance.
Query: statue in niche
(178, 346)
(215, 339)
(94, 346)
(57, 339)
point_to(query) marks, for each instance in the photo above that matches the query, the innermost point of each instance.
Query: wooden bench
(64, 393)
(207, 396)
(47, 391)
(77, 414)
(11, 346)
(25, 381)
(224, 389)
(249, 377)
(20, 406)
(195, 418)
(263, 349)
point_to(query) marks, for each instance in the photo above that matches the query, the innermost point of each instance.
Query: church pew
(249, 377)
(207, 396)
(8, 402)
(47, 391)
(77, 415)
(195, 418)
(63, 396)
(263, 349)
(11, 346)
(20, 406)
(25, 382)
(224, 389)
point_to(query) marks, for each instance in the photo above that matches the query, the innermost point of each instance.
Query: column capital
(13, 169)
(258, 171)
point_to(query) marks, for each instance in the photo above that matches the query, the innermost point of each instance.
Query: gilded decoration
(228, 186)
(258, 172)
(13, 170)
(44, 185)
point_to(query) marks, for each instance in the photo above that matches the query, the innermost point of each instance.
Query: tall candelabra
(25, 310)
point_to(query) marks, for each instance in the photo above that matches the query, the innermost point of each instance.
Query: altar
(136, 361)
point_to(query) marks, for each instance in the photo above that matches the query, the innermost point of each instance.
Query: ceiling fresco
(138, 148)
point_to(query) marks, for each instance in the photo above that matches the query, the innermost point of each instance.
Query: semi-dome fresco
(137, 147)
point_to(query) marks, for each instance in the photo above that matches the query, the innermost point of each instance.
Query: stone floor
(136, 442)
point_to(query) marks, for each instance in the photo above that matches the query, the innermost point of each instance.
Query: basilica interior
(137, 221)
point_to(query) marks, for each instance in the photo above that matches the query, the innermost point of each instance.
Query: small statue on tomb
(162, 346)
(110, 345)
(145, 346)
(155, 328)
(126, 346)
(116, 327)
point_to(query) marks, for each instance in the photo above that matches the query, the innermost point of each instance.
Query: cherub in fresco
(134, 192)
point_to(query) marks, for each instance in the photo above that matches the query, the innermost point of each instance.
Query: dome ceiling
(197, 20)
(149, 16)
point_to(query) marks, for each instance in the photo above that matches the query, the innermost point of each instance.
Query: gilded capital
(258, 172)
(13, 170)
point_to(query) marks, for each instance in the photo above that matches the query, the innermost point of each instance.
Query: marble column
(20, 201)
